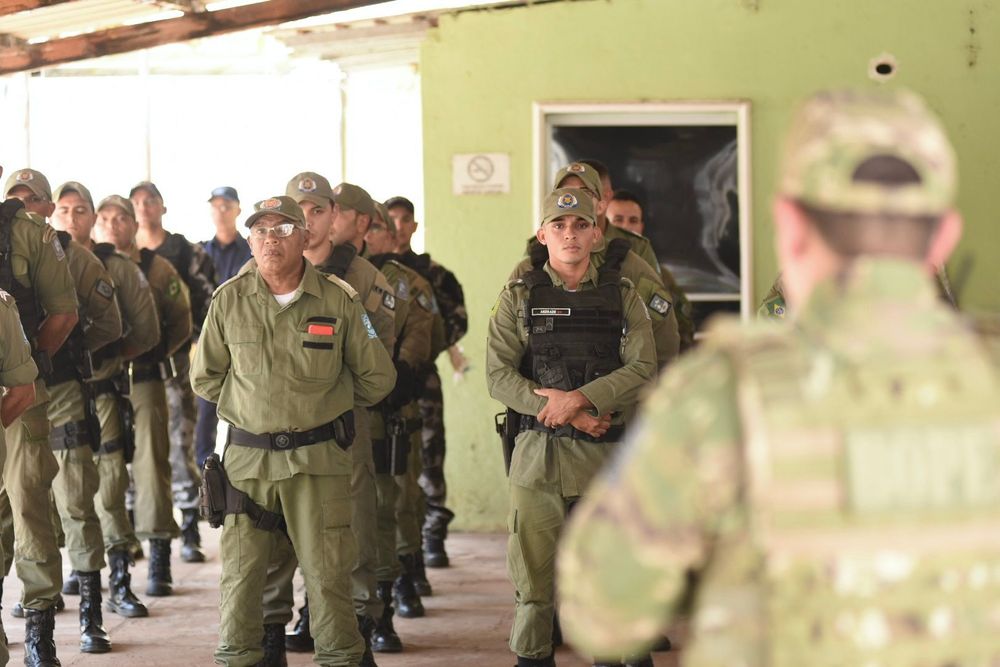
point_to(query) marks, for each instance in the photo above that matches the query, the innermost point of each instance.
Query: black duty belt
(69, 436)
(145, 372)
(111, 446)
(102, 387)
(337, 430)
(614, 434)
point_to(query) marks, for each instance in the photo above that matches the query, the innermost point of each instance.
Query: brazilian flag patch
(173, 288)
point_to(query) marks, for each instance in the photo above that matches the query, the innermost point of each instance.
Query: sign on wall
(480, 173)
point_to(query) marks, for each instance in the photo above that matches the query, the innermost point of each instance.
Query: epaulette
(33, 217)
(511, 284)
(232, 281)
(351, 292)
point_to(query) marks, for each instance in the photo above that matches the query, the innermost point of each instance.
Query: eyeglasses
(579, 226)
(377, 228)
(280, 231)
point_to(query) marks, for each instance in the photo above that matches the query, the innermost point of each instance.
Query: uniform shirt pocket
(318, 351)
(246, 348)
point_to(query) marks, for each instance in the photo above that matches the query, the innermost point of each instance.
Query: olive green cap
(835, 133)
(355, 198)
(381, 211)
(567, 201)
(78, 188)
(31, 179)
(148, 186)
(310, 186)
(281, 205)
(120, 202)
(586, 173)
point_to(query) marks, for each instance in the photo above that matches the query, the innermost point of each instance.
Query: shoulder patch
(425, 302)
(351, 292)
(368, 326)
(140, 274)
(57, 247)
(402, 289)
(104, 288)
(173, 287)
(388, 300)
(659, 304)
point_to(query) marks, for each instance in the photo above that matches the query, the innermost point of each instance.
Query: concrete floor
(468, 617)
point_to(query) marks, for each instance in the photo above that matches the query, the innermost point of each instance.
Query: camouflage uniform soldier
(282, 329)
(196, 269)
(823, 492)
(151, 466)
(17, 377)
(338, 257)
(37, 276)
(569, 348)
(451, 302)
(141, 327)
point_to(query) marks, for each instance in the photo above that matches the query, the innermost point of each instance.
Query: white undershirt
(284, 299)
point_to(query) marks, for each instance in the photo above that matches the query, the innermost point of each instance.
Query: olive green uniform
(251, 351)
(141, 328)
(38, 262)
(153, 508)
(379, 302)
(549, 473)
(78, 480)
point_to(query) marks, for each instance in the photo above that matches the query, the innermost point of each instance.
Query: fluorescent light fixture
(229, 4)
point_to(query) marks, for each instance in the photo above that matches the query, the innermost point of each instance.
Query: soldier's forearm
(15, 402)
(54, 331)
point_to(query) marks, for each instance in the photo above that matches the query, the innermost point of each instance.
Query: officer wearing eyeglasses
(286, 353)
(570, 346)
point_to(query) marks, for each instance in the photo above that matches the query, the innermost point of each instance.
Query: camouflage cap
(836, 132)
(148, 186)
(586, 173)
(74, 186)
(120, 202)
(281, 205)
(354, 197)
(31, 179)
(567, 201)
(310, 186)
(382, 212)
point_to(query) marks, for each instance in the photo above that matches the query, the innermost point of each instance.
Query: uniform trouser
(28, 472)
(431, 404)
(153, 508)
(185, 479)
(387, 490)
(113, 483)
(410, 502)
(205, 430)
(317, 510)
(278, 595)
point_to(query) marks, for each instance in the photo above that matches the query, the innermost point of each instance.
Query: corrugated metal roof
(74, 18)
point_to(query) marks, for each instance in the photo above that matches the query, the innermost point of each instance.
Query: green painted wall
(482, 71)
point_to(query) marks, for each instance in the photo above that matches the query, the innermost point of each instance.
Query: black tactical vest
(339, 260)
(28, 306)
(573, 337)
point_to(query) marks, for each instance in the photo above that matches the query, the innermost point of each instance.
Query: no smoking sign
(481, 173)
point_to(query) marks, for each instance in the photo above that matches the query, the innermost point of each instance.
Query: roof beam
(123, 39)
(15, 6)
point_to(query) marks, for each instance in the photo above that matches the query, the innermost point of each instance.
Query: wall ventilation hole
(882, 68)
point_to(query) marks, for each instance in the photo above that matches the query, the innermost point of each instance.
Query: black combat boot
(384, 637)
(536, 662)
(300, 640)
(435, 532)
(93, 636)
(17, 611)
(274, 646)
(121, 599)
(407, 601)
(420, 583)
(366, 626)
(71, 586)
(39, 648)
(191, 546)
(159, 583)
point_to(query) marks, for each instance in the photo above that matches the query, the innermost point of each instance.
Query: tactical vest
(28, 307)
(73, 360)
(339, 260)
(159, 351)
(873, 521)
(104, 251)
(573, 337)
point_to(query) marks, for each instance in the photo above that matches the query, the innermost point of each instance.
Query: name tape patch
(551, 312)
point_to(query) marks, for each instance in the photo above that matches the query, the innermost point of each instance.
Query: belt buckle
(282, 441)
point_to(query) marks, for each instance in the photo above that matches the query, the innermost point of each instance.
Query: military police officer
(569, 349)
(284, 330)
(828, 482)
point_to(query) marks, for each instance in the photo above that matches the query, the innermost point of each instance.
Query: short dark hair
(402, 202)
(626, 195)
(598, 166)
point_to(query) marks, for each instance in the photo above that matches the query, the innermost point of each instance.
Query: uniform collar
(308, 285)
(589, 277)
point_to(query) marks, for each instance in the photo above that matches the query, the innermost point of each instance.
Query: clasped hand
(571, 407)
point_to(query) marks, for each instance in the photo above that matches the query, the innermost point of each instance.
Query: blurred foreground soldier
(569, 349)
(451, 302)
(141, 331)
(286, 353)
(195, 268)
(821, 492)
(154, 519)
(35, 273)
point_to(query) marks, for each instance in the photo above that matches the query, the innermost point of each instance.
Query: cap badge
(270, 204)
(567, 201)
(307, 185)
(576, 168)
(337, 190)
(25, 175)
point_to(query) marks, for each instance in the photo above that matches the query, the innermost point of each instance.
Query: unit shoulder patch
(368, 326)
(388, 300)
(104, 288)
(173, 287)
(57, 248)
(659, 304)
(425, 302)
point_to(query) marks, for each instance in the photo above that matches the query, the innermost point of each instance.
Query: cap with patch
(838, 137)
(148, 186)
(281, 205)
(382, 211)
(74, 186)
(401, 202)
(120, 202)
(567, 201)
(310, 186)
(31, 179)
(586, 173)
(354, 197)
(225, 192)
